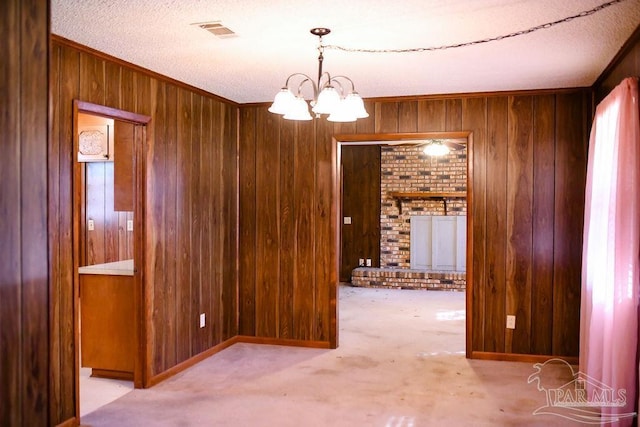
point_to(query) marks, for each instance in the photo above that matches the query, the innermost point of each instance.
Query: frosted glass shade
(342, 113)
(282, 101)
(328, 101)
(298, 110)
(356, 105)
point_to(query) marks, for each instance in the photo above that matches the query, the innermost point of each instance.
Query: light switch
(129, 225)
(347, 220)
(91, 225)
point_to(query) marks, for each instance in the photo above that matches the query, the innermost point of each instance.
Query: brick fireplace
(405, 169)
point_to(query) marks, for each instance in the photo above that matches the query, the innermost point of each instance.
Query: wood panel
(64, 404)
(495, 235)
(432, 115)
(247, 222)
(304, 279)
(287, 243)
(156, 262)
(24, 291)
(515, 156)
(360, 190)
(325, 236)
(185, 178)
(519, 223)
(267, 254)
(123, 177)
(543, 224)
(474, 113)
(230, 195)
(185, 319)
(570, 178)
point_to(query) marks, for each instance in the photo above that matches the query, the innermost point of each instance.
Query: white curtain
(611, 250)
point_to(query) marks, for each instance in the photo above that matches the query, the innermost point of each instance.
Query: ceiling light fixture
(335, 96)
(436, 148)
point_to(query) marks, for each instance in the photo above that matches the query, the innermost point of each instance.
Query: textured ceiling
(273, 40)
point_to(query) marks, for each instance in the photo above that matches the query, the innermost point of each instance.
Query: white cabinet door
(420, 250)
(444, 242)
(438, 243)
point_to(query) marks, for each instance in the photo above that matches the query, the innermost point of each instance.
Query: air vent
(216, 28)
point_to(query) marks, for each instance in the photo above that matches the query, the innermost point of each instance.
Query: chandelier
(335, 96)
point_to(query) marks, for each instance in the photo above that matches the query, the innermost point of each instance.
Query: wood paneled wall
(190, 218)
(360, 168)
(529, 165)
(288, 263)
(24, 268)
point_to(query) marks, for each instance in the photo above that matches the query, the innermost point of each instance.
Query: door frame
(382, 138)
(140, 376)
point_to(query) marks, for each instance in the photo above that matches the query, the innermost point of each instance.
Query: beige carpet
(400, 364)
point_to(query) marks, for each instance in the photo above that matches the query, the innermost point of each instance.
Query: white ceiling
(273, 40)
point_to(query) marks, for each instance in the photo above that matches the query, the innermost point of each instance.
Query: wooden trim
(76, 209)
(156, 379)
(529, 358)
(112, 113)
(409, 98)
(622, 53)
(335, 212)
(71, 422)
(105, 56)
(469, 284)
(381, 138)
(140, 356)
(117, 375)
(283, 341)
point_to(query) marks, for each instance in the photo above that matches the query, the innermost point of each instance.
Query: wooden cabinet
(106, 329)
(123, 176)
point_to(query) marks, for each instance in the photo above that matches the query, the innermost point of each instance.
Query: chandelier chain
(482, 41)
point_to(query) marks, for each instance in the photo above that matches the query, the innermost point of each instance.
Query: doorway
(108, 208)
(409, 138)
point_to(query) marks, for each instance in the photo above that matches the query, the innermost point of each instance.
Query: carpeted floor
(400, 363)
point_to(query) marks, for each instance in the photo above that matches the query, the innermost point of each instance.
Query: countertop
(118, 268)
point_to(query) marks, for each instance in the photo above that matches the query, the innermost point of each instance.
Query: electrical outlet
(129, 225)
(511, 322)
(347, 220)
(361, 262)
(368, 262)
(203, 320)
(91, 225)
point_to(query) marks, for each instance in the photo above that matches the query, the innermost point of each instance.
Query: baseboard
(71, 422)
(283, 341)
(512, 357)
(190, 362)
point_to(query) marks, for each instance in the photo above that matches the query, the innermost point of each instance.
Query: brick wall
(407, 168)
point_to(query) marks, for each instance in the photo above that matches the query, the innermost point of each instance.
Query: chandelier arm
(313, 86)
(327, 80)
(353, 87)
(286, 84)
